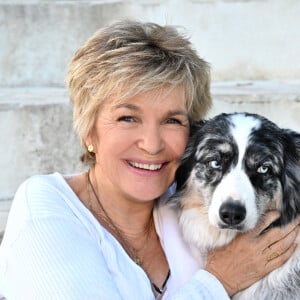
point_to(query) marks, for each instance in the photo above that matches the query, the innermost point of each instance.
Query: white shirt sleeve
(48, 252)
(202, 286)
(55, 259)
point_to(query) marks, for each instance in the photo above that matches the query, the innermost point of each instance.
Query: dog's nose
(232, 213)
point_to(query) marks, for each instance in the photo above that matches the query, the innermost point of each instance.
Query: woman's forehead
(159, 95)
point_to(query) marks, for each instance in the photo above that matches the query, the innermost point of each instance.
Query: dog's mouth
(240, 227)
(147, 167)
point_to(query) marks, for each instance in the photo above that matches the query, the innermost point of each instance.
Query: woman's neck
(129, 215)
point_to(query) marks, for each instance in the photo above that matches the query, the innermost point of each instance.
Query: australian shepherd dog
(235, 168)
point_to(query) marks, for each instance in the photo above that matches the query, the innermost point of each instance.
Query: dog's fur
(235, 168)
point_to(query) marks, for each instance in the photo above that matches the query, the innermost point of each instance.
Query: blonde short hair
(127, 58)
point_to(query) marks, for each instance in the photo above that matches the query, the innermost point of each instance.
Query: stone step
(250, 39)
(36, 126)
(277, 100)
(36, 135)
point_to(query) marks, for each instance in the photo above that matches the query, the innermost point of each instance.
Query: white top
(54, 248)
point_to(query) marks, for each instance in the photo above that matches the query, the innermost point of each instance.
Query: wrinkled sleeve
(202, 286)
(50, 260)
(48, 254)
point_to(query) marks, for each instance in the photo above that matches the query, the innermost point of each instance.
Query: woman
(136, 89)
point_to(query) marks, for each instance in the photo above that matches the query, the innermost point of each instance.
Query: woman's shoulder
(41, 185)
(36, 182)
(43, 181)
(41, 195)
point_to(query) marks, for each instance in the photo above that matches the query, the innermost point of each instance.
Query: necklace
(135, 254)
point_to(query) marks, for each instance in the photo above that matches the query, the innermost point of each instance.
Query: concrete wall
(242, 39)
(36, 136)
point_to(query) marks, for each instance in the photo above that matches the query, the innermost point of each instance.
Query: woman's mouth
(143, 166)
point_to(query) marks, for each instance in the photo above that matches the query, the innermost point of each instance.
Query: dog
(235, 168)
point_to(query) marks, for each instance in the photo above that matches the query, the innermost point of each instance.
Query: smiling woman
(136, 90)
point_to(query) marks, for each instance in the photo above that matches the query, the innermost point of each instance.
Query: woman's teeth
(151, 167)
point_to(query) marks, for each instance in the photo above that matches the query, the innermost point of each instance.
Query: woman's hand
(252, 256)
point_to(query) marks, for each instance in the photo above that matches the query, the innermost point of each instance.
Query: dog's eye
(262, 169)
(214, 164)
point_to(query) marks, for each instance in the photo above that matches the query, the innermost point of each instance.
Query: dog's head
(237, 166)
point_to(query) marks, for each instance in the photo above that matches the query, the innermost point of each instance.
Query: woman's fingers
(273, 262)
(277, 248)
(277, 244)
(285, 235)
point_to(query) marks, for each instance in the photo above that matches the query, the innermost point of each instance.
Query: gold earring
(90, 148)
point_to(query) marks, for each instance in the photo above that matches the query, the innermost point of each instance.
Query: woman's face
(138, 144)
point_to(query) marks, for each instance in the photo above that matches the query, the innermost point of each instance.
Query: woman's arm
(48, 252)
(55, 259)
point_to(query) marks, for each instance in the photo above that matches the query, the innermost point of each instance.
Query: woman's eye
(214, 164)
(262, 169)
(128, 119)
(173, 121)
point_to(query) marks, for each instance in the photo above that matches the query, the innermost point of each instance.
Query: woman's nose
(151, 140)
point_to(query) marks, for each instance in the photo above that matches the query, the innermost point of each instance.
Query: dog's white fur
(199, 203)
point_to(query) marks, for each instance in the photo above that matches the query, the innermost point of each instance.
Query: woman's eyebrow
(128, 106)
(170, 112)
(177, 112)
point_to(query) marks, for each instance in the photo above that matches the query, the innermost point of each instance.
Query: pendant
(138, 260)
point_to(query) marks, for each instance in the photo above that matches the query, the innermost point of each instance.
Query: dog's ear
(291, 177)
(185, 168)
(195, 127)
(187, 160)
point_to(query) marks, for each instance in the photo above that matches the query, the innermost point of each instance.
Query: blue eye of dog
(214, 164)
(262, 169)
